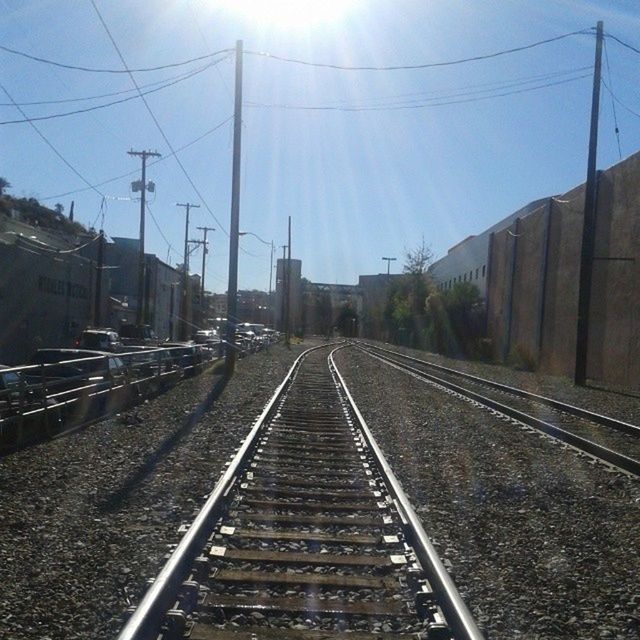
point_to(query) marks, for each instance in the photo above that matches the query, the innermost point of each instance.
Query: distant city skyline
(384, 158)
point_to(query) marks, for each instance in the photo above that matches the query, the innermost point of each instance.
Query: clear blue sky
(358, 185)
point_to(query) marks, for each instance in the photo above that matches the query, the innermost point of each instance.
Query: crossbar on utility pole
(185, 276)
(232, 288)
(589, 225)
(141, 263)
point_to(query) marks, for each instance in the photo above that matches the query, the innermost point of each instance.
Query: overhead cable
(427, 65)
(109, 104)
(155, 120)
(103, 95)
(170, 65)
(52, 146)
(622, 42)
(622, 104)
(613, 102)
(410, 104)
(136, 172)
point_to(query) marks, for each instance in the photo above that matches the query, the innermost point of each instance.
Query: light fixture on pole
(389, 261)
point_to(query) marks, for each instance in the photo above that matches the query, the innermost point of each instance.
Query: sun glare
(289, 13)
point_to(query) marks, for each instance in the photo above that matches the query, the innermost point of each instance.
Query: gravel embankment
(623, 406)
(542, 542)
(87, 518)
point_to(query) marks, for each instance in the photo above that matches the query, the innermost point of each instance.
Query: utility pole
(205, 250)
(185, 276)
(142, 187)
(589, 225)
(284, 288)
(232, 288)
(288, 324)
(389, 261)
(97, 302)
(196, 244)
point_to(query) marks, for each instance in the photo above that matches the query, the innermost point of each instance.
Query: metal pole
(389, 260)
(589, 225)
(232, 289)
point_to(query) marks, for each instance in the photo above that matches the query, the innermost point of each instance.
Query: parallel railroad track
(613, 441)
(307, 536)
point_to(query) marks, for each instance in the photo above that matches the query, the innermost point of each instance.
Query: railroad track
(612, 441)
(307, 535)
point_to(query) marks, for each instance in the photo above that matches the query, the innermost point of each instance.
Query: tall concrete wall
(533, 291)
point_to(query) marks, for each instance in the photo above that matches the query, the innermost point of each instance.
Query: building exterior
(163, 287)
(468, 261)
(46, 297)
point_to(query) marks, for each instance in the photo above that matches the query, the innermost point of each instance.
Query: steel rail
(587, 446)
(571, 409)
(149, 614)
(457, 614)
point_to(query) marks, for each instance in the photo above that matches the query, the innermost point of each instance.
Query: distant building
(468, 261)
(46, 297)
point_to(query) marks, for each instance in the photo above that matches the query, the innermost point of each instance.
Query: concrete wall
(534, 274)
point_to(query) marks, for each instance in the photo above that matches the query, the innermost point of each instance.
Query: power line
(465, 90)
(103, 95)
(622, 104)
(613, 102)
(135, 172)
(52, 147)
(171, 65)
(155, 120)
(622, 42)
(112, 103)
(159, 228)
(428, 65)
(410, 104)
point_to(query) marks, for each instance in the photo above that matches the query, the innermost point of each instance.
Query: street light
(269, 244)
(389, 261)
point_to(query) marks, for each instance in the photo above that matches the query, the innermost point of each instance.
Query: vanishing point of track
(307, 535)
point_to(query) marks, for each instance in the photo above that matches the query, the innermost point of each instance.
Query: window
(477, 272)
(483, 270)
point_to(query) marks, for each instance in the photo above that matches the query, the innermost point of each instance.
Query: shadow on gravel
(114, 500)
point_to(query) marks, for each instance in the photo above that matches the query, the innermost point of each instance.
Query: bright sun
(289, 13)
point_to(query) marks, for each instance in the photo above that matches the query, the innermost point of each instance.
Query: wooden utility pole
(288, 315)
(140, 316)
(284, 288)
(232, 288)
(184, 308)
(205, 250)
(97, 307)
(589, 225)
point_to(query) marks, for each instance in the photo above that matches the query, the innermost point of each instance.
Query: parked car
(67, 369)
(138, 334)
(100, 340)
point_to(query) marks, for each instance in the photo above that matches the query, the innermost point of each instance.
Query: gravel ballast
(87, 518)
(542, 541)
